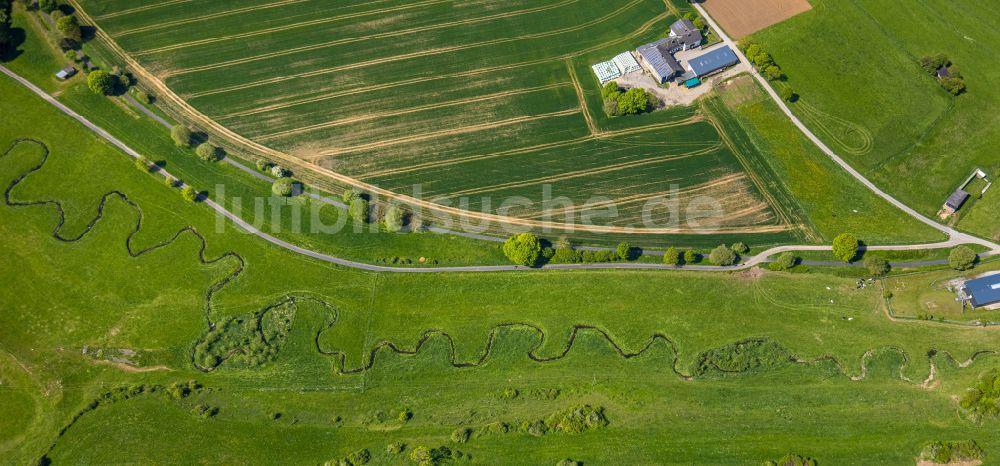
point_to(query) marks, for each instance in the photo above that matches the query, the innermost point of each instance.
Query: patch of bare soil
(741, 18)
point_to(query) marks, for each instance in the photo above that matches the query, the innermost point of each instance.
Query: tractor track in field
(141, 8)
(423, 53)
(409, 110)
(444, 133)
(583, 173)
(272, 30)
(181, 22)
(527, 150)
(639, 197)
(352, 40)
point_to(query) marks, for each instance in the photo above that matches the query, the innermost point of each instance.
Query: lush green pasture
(864, 93)
(926, 295)
(68, 308)
(811, 186)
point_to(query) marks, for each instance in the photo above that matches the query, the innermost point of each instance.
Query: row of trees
(846, 247)
(393, 218)
(765, 63)
(618, 101)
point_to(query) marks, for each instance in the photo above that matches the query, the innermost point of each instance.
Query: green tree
(610, 88)
(48, 6)
(845, 247)
(773, 72)
(752, 51)
(283, 187)
(611, 107)
(699, 23)
(722, 255)
(763, 60)
(207, 152)
(101, 82)
(671, 256)
(788, 93)
(523, 249)
(350, 194)
(143, 163)
(690, 256)
(634, 101)
(787, 260)
(740, 248)
(953, 85)
(189, 194)
(179, 133)
(394, 218)
(624, 251)
(877, 265)
(69, 26)
(962, 258)
(359, 210)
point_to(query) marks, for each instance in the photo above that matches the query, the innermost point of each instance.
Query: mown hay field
(855, 65)
(474, 102)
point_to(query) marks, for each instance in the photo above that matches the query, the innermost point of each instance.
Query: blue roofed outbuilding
(984, 291)
(720, 58)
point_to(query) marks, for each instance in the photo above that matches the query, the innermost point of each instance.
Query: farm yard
(863, 91)
(474, 102)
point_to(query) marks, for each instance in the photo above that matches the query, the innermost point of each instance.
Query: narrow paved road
(750, 261)
(955, 237)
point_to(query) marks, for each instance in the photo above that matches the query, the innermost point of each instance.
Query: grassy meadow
(687, 367)
(855, 66)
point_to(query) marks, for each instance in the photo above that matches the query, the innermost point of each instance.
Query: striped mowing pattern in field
(468, 99)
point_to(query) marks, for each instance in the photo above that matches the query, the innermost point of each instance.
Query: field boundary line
(591, 126)
(415, 109)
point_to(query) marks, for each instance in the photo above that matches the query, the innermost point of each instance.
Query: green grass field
(105, 308)
(863, 91)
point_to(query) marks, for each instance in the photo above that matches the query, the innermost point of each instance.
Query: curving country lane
(955, 237)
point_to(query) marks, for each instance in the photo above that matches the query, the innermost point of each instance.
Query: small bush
(740, 248)
(625, 251)
(189, 194)
(280, 172)
(405, 415)
(180, 134)
(143, 163)
(723, 256)
(962, 258)
(283, 187)
(359, 457)
(461, 435)
(787, 260)
(577, 419)
(509, 394)
(691, 257)
(395, 448)
(952, 452)
(263, 165)
(207, 152)
(102, 83)
(360, 210)
(671, 256)
(48, 6)
(877, 265)
(394, 218)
